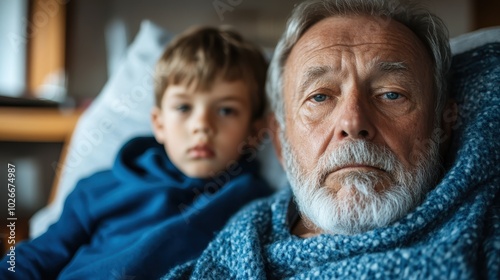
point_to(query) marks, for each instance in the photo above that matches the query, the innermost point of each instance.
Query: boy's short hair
(200, 55)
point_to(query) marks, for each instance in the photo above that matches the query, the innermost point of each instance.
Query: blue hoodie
(137, 220)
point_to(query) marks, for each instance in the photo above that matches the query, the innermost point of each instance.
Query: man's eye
(392, 95)
(319, 97)
(226, 111)
(183, 108)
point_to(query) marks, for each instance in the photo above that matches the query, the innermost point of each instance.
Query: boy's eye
(226, 111)
(391, 95)
(183, 108)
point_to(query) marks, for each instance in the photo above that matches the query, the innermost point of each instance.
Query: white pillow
(474, 39)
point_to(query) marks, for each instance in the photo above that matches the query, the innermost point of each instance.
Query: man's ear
(448, 121)
(157, 123)
(276, 131)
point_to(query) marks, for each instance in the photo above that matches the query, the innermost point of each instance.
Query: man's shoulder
(267, 205)
(237, 246)
(259, 216)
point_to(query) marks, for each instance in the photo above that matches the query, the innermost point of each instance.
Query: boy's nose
(202, 123)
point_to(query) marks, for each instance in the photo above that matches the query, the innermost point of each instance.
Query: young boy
(153, 211)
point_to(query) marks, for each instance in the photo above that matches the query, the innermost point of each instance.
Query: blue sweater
(137, 220)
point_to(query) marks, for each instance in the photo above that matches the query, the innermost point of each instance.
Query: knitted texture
(453, 234)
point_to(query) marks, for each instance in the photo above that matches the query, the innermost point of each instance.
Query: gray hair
(429, 29)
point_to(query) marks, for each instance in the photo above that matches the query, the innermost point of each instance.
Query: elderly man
(359, 94)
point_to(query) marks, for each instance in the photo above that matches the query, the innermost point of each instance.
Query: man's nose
(202, 122)
(354, 120)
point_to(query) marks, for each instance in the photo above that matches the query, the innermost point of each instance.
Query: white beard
(362, 208)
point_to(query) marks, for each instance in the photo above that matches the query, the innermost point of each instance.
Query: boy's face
(202, 130)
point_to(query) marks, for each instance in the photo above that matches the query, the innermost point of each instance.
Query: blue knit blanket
(453, 234)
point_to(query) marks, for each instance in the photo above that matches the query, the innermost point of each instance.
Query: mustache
(358, 152)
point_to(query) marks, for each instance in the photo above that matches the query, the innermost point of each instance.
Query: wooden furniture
(37, 124)
(42, 134)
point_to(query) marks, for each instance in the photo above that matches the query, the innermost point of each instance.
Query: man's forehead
(354, 30)
(341, 36)
(338, 30)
